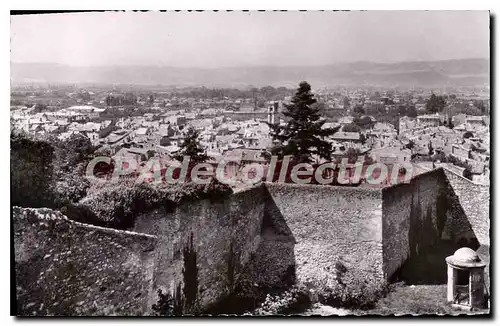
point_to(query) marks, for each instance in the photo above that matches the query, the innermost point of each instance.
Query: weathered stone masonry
(410, 219)
(68, 268)
(225, 235)
(474, 200)
(330, 225)
(472, 203)
(426, 220)
(272, 235)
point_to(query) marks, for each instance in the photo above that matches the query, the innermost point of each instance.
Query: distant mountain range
(459, 72)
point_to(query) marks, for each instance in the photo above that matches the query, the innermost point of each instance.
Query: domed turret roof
(465, 257)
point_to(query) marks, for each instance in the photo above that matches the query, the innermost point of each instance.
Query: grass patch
(415, 300)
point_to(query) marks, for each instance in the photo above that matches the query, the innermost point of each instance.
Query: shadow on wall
(277, 248)
(184, 299)
(433, 238)
(271, 268)
(484, 253)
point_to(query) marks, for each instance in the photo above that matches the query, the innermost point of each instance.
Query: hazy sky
(224, 39)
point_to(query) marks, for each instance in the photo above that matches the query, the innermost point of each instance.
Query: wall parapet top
(49, 214)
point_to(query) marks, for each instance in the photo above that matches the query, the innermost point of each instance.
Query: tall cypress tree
(303, 135)
(190, 276)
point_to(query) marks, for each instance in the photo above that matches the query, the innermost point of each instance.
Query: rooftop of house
(135, 150)
(348, 119)
(429, 117)
(209, 112)
(244, 154)
(342, 135)
(82, 108)
(141, 131)
(327, 125)
(169, 149)
(391, 150)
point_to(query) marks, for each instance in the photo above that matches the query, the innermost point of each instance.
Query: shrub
(295, 300)
(352, 127)
(46, 172)
(467, 134)
(167, 304)
(117, 205)
(71, 188)
(358, 294)
(467, 173)
(80, 213)
(348, 290)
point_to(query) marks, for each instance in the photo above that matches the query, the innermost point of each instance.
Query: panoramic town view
(250, 163)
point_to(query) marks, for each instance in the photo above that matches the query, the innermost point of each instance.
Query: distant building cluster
(387, 126)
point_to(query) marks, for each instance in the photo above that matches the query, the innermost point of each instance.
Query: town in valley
(250, 163)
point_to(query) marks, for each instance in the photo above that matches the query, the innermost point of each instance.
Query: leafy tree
(85, 96)
(261, 102)
(468, 134)
(165, 304)
(402, 110)
(435, 103)
(129, 99)
(381, 109)
(410, 145)
(363, 122)
(431, 149)
(472, 110)
(359, 109)
(48, 172)
(14, 101)
(72, 187)
(303, 135)
(352, 127)
(352, 154)
(191, 147)
(70, 152)
(40, 108)
(449, 123)
(110, 100)
(441, 157)
(169, 304)
(467, 173)
(480, 106)
(362, 138)
(411, 112)
(70, 161)
(268, 91)
(150, 153)
(347, 102)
